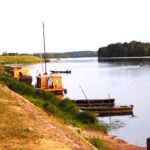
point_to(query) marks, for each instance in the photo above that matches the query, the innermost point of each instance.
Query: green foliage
(49, 107)
(132, 49)
(97, 143)
(68, 106)
(87, 118)
(8, 68)
(64, 109)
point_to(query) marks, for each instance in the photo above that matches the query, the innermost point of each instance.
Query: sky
(71, 25)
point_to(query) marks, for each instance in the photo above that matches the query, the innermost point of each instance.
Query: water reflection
(115, 63)
(113, 123)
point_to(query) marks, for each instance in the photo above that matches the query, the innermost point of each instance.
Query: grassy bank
(26, 127)
(66, 110)
(19, 59)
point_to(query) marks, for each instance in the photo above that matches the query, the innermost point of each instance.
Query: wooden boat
(56, 71)
(110, 111)
(18, 73)
(26, 78)
(94, 102)
(51, 84)
(22, 75)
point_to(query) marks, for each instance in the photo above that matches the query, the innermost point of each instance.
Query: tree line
(14, 54)
(57, 55)
(74, 54)
(131, 49)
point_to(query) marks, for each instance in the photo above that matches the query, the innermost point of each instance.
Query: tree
(131, 49)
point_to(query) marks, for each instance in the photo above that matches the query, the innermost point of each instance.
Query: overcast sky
(71, 25)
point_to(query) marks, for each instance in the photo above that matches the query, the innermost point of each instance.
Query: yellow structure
(51, 84)
(18, 73)
(21, 74)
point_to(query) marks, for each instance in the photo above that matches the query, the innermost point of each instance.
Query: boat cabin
(52, 83)
(20, 74)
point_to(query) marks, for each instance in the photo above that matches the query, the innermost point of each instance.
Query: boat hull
(110, 111)
(55, 71)
(94, 102)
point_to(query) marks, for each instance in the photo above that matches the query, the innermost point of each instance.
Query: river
(127, 82)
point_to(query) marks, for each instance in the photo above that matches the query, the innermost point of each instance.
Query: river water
(127, 82)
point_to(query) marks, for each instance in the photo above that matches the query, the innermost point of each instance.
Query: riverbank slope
(24, 126)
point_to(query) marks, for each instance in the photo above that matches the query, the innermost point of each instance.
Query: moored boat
(110, 111)
(20, 74)
(94, 102)
(51, 84)
(58, 71)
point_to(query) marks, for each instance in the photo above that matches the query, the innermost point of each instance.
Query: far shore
(124, 58)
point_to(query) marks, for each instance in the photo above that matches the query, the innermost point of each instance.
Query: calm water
(127, 82)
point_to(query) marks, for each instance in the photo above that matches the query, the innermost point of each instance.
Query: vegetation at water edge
(65, 109)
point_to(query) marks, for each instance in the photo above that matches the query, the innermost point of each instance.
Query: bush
(87, 118)
(68, 106)
(51, 108)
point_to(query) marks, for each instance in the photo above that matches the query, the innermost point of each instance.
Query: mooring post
(148, 143)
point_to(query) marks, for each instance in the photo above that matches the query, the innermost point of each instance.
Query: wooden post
(148, 143)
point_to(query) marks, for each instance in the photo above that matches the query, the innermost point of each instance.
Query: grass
(19, 59)
(98, 144)
(11, 128)
(23, 126)
(66, 110)
(18, 129)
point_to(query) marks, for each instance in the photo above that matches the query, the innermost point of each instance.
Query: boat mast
(44, 49)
